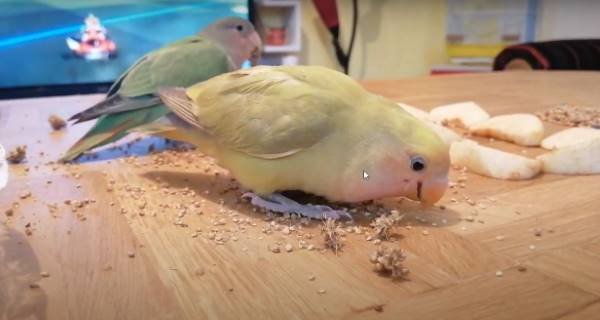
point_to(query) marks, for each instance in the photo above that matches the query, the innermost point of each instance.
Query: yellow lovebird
(312, 129)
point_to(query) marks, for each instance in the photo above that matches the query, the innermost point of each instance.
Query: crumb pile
(571, 115)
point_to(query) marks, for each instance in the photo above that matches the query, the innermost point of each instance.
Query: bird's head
(238, 37)
(403, 158)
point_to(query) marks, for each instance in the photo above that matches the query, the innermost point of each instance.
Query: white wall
(568, 19)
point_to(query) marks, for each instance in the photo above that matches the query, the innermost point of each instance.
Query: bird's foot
(279, 203)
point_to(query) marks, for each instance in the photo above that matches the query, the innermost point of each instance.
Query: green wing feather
(131, 101)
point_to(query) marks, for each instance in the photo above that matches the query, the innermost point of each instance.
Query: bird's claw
(279, 203)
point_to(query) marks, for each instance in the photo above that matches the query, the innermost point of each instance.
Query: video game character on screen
(93, 42)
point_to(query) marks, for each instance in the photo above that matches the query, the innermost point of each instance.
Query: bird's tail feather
(112, 127)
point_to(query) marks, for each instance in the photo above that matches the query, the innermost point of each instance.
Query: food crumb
(378, 308)
(311, 277)
(56, 122)
(322, 291)
(531, 247)
(274, 248)
(425, 232)
(521, 268)
(131, 254)
(34, 285)
(537, 232)
(17, 155)
(289, 248)
(44, 274)
(499, 238)
(499, 273)
(25, 194)
(9, 212)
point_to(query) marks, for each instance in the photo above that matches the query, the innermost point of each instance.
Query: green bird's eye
(417, 163)
(239, 27)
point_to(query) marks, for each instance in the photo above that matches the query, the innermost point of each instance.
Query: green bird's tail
(112, 127)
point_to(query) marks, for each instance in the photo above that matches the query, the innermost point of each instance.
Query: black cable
(354, 24)
(344, 58)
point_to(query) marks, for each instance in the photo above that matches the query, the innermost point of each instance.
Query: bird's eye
(417, 163)
(239, 27)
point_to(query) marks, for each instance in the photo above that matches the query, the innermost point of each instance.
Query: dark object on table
(551, 55)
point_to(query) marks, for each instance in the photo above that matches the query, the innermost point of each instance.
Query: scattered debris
(322, 291)
(311, 277)
(521, 268)
(389, 261)
(44, 274)
(531, 247)
(331, 235)
(17, 155)
(499, 273)
(34, 285)
(56, 122)
(9, 212)
(131, 254)
(537, 232)
(384, 224)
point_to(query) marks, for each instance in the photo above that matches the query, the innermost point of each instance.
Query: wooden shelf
(284, 14)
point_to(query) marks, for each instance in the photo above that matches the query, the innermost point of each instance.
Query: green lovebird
(131, 103)
(312, 129)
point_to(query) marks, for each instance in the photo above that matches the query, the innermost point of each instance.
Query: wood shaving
(389, 261)
(56, 122)
(17, 155)
(384, 224)
(330, 235)
(571, 115)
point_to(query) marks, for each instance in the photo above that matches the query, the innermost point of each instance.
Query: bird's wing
(181, 64)
(265, 115)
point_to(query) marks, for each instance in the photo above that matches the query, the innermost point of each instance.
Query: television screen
(65, 42)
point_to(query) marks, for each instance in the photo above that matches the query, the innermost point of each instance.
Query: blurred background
(61, 42)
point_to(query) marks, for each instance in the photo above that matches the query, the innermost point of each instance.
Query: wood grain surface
(165, 236)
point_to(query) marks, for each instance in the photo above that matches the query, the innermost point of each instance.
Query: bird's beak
(256, 52)
(429, 192)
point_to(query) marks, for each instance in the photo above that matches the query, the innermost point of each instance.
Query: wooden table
(179, 273)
